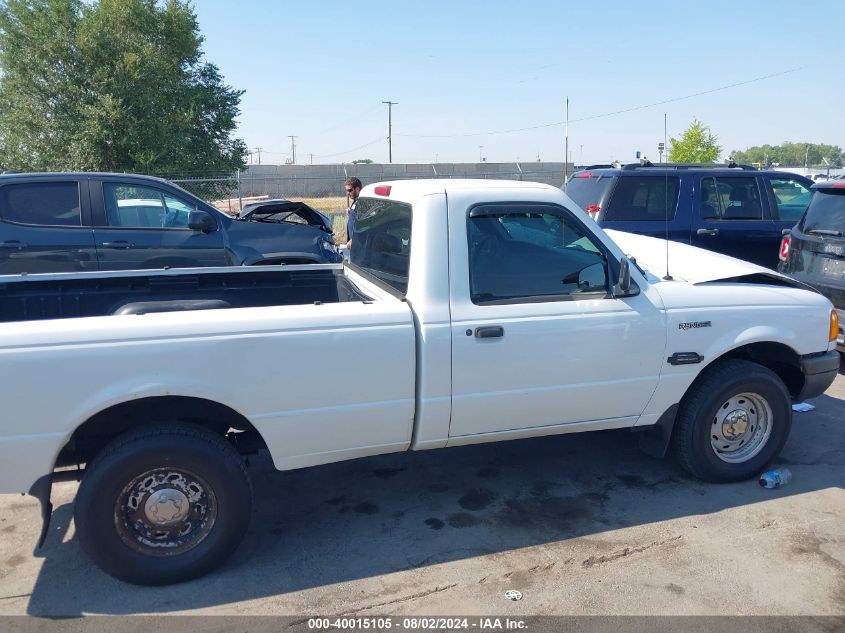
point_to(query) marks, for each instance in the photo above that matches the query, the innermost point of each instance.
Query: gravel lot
(580, 524)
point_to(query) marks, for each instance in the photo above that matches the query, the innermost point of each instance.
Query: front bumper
(819, 372)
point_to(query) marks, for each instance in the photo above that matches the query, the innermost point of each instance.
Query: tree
(363, 161)
(112, 85)
(696, 145)
(790, 154)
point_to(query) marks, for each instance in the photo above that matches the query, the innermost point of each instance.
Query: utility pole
(292, 148)
(480, 159)
(312, 159)
(258, 151)
(390, 105)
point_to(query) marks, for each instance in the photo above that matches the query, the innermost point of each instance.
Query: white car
(470, 311)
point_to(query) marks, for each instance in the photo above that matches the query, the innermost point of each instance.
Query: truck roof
(407, 189)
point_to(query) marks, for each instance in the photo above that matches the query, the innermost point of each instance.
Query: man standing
(353, 189)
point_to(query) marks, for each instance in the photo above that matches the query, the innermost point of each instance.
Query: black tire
(705, 413)
(170, 471)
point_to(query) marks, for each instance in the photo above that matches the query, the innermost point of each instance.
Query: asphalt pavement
(578, 524)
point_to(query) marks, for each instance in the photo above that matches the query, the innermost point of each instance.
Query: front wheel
(163, 504)
(733, 422)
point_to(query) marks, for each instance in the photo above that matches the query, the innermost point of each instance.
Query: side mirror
(624, 286)
(201, 221)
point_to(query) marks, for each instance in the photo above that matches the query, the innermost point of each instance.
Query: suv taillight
(784, 248)
(593, 210)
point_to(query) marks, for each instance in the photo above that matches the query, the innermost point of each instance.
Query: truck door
(536, 339)
(45, 227)
(138, 227)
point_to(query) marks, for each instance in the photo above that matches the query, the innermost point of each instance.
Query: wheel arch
(784, 361)
(93, 434)
(781, 359)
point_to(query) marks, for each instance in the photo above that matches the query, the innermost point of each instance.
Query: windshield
(826, 212)
(381, 243)
(588, 189)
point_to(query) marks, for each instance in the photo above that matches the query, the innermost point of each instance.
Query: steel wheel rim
(165, 512)
(741, 427)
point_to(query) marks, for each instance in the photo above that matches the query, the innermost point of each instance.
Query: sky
(470, 76)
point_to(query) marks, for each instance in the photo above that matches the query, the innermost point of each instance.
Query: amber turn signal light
(834, 326)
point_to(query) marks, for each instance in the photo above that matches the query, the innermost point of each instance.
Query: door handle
(117, 244)
(707, 231)
(490, 331)
(12, 244)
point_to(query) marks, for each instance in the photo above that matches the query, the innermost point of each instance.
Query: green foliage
(362, 161)
(112, 85)
(696, 145)
(792, 155)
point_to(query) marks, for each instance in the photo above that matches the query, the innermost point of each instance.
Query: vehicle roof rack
(597, 166)
(730, 165)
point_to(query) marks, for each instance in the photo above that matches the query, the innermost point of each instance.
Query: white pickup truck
(471, 311)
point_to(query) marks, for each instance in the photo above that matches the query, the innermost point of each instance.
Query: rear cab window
(381, 247)
(643, 199)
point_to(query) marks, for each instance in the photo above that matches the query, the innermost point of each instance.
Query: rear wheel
(733, 422)
(163, 504)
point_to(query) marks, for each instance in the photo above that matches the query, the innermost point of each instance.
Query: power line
(354, 149)
(348, 120)
(606, 114)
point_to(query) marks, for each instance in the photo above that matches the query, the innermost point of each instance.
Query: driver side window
(138, 207)
(522, 252)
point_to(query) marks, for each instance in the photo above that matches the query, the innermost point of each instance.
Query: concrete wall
(325, 180)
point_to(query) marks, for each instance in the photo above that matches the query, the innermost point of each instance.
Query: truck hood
(692, 264)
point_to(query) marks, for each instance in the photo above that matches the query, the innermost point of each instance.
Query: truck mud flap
(655, 441)
(41, 490)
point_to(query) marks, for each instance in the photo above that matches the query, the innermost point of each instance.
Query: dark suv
(814, 250)
(64, 222)
(738, 211)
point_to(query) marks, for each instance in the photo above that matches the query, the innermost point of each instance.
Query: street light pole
(390, 105)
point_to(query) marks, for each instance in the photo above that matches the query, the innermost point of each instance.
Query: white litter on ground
(802, 407)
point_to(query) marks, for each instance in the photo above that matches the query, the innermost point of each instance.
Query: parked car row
(76, 222)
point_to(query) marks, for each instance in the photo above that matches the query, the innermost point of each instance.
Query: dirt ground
(580, 524)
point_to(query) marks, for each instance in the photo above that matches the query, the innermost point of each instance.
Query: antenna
(566, 148)
(667, 276)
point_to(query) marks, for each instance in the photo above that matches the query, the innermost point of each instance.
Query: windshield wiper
(824, 232)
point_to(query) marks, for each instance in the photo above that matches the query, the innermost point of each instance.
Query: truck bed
(60, 296)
